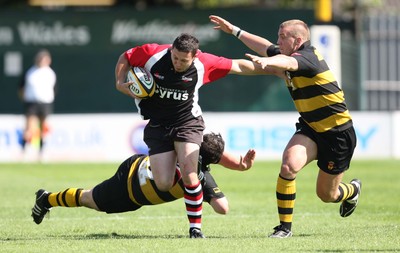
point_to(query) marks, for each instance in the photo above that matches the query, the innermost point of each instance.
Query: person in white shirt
(37, 91)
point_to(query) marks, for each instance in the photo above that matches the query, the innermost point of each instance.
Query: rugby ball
(143, 85)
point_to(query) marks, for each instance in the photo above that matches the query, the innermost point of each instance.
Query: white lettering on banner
(6, 36)
(160, 31)
(12, 63)
(38, 33)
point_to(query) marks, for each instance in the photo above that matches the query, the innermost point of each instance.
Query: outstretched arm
(246, 67)
(252, 41)
(278, 63)
(230, 161)
(240, 163)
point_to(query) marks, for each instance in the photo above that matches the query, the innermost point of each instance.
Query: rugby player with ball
(175, 129)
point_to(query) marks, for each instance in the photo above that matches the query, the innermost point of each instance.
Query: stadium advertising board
(113, 137)
(85, 46)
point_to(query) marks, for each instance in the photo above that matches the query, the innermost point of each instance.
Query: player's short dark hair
(186, 43)
(211, 148)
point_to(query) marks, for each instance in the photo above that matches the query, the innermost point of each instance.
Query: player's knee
(86, 200)
(164, 186)
(222, 210)
(287, 171)
(220, 206)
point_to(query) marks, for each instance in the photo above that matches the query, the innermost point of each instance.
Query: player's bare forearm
(121, 69)
(279, 61)
(254, 42)
(246, 67)
(240, 163)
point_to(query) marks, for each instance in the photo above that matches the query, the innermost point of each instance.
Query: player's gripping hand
(124, 88)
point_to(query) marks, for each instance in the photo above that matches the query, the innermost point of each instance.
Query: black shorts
(335, 149)
(111, 196)
(210, 188)
(160, 139)
(41, 110)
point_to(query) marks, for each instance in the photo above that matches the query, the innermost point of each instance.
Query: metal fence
(380, 62)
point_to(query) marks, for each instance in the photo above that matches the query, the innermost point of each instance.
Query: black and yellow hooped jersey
(316, 93)
(141, 186)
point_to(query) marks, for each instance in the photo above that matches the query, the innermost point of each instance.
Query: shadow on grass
(94, 237)
(126, 236)
(113, 235)
(143, 236)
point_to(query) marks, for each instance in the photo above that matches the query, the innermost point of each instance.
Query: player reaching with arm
(325, 129)
(175, 128)
(131, 187)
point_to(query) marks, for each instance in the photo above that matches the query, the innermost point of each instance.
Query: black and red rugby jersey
(176, 96)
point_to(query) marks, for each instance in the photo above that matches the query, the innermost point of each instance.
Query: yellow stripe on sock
(53, 199)
(70, 197)
(286, 195)
(348, 191)
(288, 218)
(66, 198)
(285, 203)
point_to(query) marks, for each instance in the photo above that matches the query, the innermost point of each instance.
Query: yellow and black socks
(67, 198)
(193, 195)
(285, 195)
(347, 191)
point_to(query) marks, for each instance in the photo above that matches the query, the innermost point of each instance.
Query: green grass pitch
(317, 227)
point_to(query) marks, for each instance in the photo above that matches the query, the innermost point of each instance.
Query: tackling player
(133, 186)
(325, 129)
